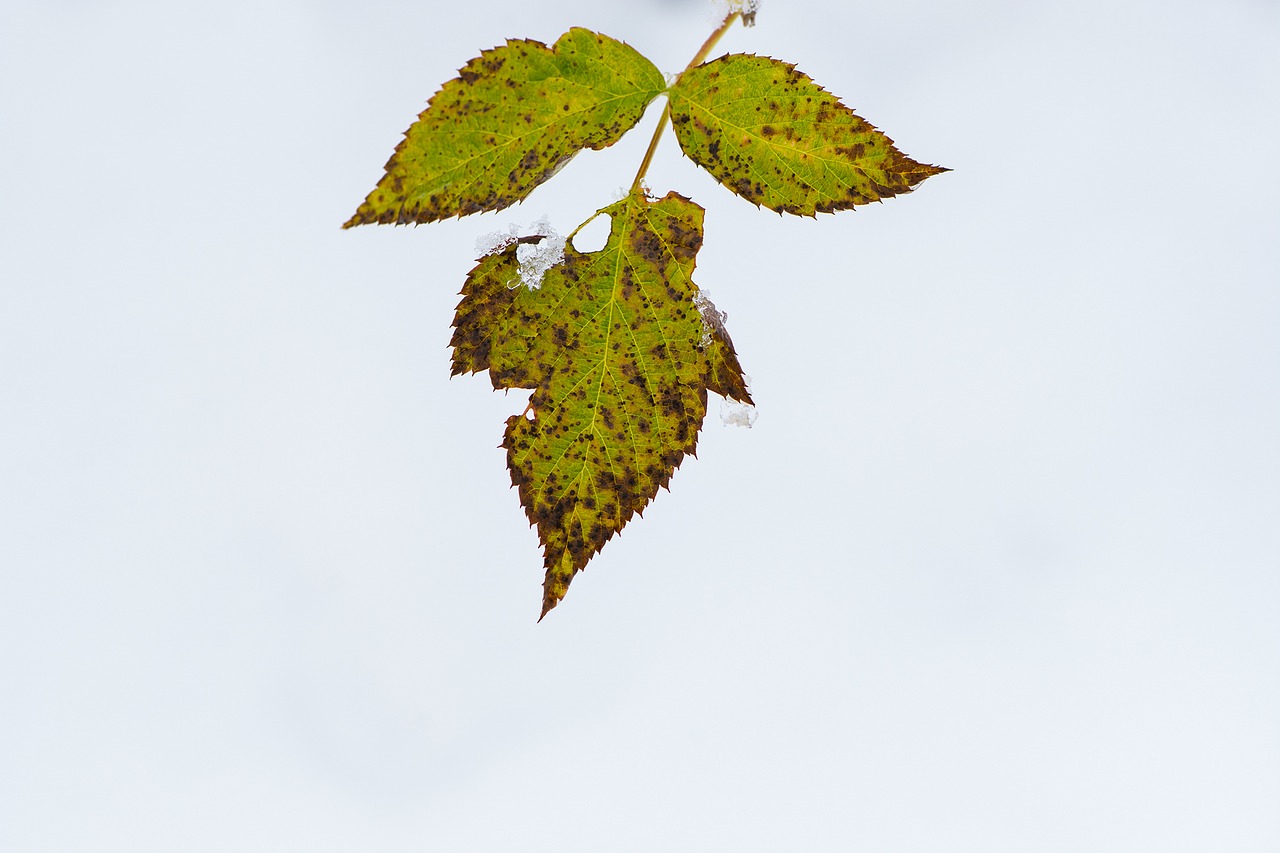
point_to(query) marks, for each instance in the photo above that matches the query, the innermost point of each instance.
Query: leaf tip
(556, 584)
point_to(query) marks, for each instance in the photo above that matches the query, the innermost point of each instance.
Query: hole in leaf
(594, 234)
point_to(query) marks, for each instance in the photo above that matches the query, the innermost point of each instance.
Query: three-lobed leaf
(773, 136)
(513, 117)
(612, 345)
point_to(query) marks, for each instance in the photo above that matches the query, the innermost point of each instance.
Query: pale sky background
(998, 568)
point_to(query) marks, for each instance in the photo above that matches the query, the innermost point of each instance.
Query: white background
(998, 569)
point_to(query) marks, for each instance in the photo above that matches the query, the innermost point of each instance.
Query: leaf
(773, 136)
(512, 118)
(611, 345)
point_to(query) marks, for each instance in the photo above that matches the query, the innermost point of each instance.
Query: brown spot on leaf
(821, 167)
(616, 410)
(467, 149)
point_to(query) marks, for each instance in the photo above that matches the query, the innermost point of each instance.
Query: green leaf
(620, 361)
(773, 136)
(512, 118)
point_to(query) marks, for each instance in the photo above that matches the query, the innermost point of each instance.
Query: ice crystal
(536, 258)
(538, 251)
(713, 319)
(722, 9)
(733, 413)
(496, 241)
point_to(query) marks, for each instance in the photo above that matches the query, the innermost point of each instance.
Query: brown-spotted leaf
(773, 136)
(620, 361)
(513, 117)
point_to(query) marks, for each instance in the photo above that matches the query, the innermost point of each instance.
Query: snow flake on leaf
(713, 319)
(734, 413)
(538, 251)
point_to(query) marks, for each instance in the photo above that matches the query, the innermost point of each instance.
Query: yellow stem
(698, 59)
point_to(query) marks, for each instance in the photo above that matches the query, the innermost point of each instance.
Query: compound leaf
(620, 359)
(773, 136)
(513, 117)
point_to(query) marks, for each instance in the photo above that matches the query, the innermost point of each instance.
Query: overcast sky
(997, 569)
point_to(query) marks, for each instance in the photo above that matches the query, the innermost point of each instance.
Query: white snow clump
(733, 413)
(534, 256)
(723, 8)
(495, 241)
(713, 319)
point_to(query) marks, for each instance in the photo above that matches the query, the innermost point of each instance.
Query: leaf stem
(653, 146)
(710, 43)
(698, 59)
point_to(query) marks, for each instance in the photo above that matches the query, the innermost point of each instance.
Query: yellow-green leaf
(513, 117)
(773, 136)
(620, 360)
